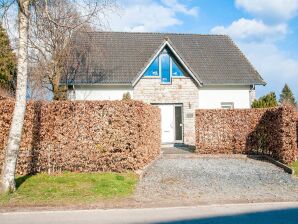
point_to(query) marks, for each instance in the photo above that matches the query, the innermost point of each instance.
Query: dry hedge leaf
(84, 136)
(271, 132)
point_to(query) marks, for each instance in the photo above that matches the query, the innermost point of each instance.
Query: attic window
(165, 62)
(176, 70)
(153, 69)
(165, 67)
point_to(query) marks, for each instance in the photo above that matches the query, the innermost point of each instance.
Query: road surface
(273, 213)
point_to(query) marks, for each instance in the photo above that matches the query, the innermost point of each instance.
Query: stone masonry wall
(181, 91)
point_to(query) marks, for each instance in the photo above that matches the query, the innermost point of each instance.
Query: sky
(265, 30)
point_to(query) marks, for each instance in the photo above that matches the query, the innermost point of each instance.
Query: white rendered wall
(212, 97)
(100, 92)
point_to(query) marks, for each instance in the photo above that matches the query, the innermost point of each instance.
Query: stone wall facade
(182, 90)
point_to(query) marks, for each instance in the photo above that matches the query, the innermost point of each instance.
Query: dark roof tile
(119, 57)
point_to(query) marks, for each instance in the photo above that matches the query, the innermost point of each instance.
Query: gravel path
(182, 180)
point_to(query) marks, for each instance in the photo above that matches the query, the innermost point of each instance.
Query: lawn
(295, 167)
(70, 188)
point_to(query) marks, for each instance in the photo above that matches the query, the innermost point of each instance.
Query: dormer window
(165, 67)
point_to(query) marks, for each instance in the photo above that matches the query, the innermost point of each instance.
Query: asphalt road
(273, 213)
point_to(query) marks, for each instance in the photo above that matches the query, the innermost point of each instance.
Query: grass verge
(295, 167)
(69, 188)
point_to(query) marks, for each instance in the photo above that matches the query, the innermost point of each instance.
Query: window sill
(179, 77)
(151, 77)
(158, 77)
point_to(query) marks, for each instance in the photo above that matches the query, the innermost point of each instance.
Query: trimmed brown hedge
(84, 136)
(297, 130)
(248, 131)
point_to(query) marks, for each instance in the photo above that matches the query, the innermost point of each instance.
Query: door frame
(182, 118)
(182, 121)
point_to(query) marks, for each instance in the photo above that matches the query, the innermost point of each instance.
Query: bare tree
(58, 22)
(51, 31)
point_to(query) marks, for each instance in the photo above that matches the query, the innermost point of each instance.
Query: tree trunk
(59, 92)
(12, 148)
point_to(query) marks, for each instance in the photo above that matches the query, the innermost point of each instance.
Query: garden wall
(297, 130)
(84, 136)
(248, 131)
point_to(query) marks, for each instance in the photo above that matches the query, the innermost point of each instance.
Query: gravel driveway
(185, 180)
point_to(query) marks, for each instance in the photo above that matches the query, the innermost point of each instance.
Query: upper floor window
(165, 61)
(176, 71)
(164, 66)
(153, 69)
(227, 105)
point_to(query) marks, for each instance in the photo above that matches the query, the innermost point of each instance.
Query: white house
(177, 72)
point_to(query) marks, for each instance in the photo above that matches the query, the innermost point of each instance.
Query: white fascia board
(184, 65)
(101, 84)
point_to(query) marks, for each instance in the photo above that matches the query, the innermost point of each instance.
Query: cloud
(273, 9)
(269, 59)
(148, 15)
(178, 7)
(251, 29)
(258, 38)
(274, 65)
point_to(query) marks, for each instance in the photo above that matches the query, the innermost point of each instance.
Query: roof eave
(97, 84)
(235, 84)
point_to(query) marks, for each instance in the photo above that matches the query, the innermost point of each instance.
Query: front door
(171, 123)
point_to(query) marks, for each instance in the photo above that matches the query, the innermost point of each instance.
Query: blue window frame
(165, 68)
(153, 69)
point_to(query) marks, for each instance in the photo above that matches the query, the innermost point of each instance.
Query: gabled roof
(121, 57)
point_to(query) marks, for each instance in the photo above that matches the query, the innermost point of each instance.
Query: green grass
(70, 188)
(295, 167)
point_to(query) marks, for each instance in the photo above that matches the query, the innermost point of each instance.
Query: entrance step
(177, 150)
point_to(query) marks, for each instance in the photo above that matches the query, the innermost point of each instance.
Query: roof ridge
(162, 33)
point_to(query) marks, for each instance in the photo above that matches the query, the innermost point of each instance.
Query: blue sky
(265, 30)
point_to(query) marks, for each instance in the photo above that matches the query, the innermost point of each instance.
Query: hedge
(84, 136)
(269, 132)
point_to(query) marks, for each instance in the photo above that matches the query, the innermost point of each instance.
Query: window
(176, 71)
(153, 69)
(227, 105)
(165, 68)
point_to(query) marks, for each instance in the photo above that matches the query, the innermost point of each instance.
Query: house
(177, 72)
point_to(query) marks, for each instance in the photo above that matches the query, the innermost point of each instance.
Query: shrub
(266, 101)
(126, 96)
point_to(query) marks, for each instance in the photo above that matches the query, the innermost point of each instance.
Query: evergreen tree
(268, 100)
(287, 96)
(7, 63)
